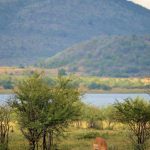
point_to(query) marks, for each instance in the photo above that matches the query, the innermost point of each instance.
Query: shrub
(94, 85)
(7, 84)
(88, 135)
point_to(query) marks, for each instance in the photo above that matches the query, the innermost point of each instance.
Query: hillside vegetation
(36, 29)
(115, 56)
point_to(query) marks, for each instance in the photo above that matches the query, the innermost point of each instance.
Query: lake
(94, 99)
(107, 99)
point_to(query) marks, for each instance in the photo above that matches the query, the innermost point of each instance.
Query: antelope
(99, 144)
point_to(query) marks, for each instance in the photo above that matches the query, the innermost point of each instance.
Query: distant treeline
(85, 83)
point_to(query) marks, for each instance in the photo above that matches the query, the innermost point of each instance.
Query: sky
(145, 3)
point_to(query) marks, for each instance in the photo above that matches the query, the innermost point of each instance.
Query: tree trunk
(50, 140)
(32, 145)
(44, 140)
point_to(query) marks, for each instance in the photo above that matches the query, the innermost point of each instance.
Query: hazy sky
(145, 3)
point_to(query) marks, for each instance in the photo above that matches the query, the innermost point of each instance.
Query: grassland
(78, 139)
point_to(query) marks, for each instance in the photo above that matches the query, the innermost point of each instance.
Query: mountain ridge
(31, 30)
(115, 56)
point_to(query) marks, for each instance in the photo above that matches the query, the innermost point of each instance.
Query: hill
(116, 56)
(36, 29)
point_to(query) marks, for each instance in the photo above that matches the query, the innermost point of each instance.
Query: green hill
(36, 29)
(116, 56)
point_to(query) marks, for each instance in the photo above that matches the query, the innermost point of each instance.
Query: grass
(115, 139)
(77, 139)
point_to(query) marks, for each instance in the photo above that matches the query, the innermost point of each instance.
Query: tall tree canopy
(45, 110)
(136, 114)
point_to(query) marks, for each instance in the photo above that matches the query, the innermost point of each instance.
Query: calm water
(94, 99)
(106, 99)
(4, 97)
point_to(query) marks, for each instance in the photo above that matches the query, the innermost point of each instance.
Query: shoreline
(119, 91)
(113, 91)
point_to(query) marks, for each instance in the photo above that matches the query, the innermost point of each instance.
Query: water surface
(94, 99)
(106, 99)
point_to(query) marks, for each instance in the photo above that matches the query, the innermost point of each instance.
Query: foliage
(111, 83)
(31, 97)
(7, 84)
(92, 115)
(92, 135)
(25, 33)
(62, 72)
(44, 111)
(94, 85)
(50, 81)
(136, 114)
(4, 127)
(106, 56)
(64, 107)
(109, 116)
(89, 135)
(13, 76)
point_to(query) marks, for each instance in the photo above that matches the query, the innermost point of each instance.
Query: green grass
(77, 139)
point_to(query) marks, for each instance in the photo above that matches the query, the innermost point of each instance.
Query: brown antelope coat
(99, 144)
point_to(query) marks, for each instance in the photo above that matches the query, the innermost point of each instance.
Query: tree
(62, 72)
(136, 114)
(91, 114)
(31, 97)
(4, 126)
(7, 84)
(64, 108)
(95, 85)
(109, 115)
(43, 110)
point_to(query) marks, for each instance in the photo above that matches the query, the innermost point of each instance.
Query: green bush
(88, 135)
(95, 85)
(98, 125)
(92, 135)
(7, 84)
(3, 146)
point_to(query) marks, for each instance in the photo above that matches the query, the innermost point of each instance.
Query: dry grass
(72, 141)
